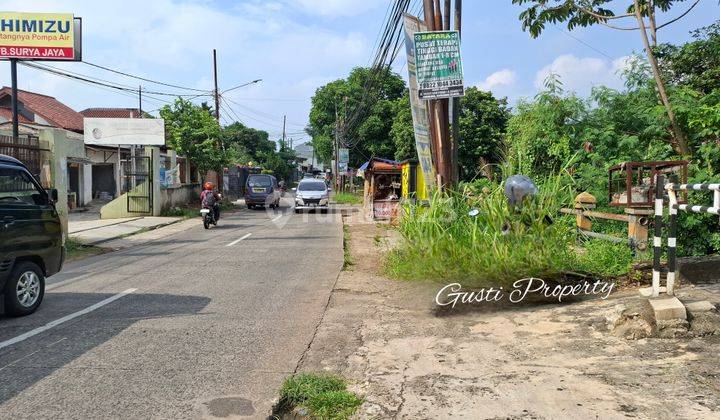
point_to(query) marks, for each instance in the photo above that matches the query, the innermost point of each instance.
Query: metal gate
(137, 181)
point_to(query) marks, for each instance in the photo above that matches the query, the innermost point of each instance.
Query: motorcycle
(208, 214)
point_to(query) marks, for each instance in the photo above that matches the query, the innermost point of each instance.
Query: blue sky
(295, 46)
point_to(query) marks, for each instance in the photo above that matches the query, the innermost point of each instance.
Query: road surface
(202, 323)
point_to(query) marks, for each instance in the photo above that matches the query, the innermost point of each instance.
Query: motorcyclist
(211, 199)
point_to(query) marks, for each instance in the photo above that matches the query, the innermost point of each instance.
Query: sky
(296, 46)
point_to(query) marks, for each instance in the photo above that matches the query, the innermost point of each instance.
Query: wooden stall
(382, 188)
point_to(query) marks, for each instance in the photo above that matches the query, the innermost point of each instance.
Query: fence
(26, 149)
(673, 208)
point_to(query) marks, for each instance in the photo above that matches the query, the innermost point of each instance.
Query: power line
(97, 81)
(143, 78)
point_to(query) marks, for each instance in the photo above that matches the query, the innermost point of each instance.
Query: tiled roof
(50, 109)
(6, 114)
(111, 113)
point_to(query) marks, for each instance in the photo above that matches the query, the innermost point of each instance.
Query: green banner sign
(438, 64)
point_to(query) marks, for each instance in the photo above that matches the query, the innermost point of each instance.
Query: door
(137, 174)
(28, 221)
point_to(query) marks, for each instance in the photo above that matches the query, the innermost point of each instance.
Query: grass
(347, 258)
(499, 245)
(347, 198)
(323, 396)
(77, 251)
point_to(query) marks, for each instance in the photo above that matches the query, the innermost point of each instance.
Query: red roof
(6, 114)
(111, 113)
(48, 108)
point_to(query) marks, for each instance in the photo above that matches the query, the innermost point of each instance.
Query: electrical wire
(143, 78)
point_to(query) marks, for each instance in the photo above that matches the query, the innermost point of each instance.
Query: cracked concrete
(408, 360)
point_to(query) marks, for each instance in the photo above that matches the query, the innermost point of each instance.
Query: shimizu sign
(438, 64)
(38, 36)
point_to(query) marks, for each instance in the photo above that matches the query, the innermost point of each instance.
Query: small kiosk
(383, 187)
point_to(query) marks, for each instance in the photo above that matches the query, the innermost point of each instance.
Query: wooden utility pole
(455, 104)
(429, 14)
(216, 93)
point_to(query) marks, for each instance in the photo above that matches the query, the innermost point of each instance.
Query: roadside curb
(139, 231)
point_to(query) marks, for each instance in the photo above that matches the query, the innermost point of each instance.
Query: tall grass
(494, 248)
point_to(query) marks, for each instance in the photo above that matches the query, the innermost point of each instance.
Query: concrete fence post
(657, 240)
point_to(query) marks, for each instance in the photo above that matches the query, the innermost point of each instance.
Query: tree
(247, 142)
(590, 12)
(362, 108)
(194, 133)
(402, 131)
(483, 121)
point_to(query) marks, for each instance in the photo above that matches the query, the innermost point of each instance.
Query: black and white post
(657, 240)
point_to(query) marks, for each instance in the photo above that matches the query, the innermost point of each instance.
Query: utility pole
(283, 136)
(14, 99)
(336, 169)
(140, 101)
(455, 110)
(216, 93)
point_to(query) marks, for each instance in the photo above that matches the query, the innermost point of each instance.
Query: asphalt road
(202, 323)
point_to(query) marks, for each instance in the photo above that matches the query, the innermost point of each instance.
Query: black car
(262, 190)
(31, 240)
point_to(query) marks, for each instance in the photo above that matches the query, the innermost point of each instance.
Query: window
(16, 186)
(260, 181)
(311, 186)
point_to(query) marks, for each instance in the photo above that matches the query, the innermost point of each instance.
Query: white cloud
(501, 78)
(172, 41)
(581, 74)
(337, 8)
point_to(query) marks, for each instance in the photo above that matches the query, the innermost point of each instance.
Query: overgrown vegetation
(478, 240)
(322, 396)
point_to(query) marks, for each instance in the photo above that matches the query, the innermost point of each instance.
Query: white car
(312, 194)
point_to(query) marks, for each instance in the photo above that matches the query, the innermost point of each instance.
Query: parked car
(31, 240)
(262, 190)
(312, 194)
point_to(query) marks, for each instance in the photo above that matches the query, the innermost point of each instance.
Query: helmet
(209, 186)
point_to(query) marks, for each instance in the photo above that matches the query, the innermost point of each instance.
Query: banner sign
(420, 114)
(344, 155)
(124, 131)
(438, 64)
(39, 36)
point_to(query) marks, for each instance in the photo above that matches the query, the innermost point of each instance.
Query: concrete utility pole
(283, 136)
(140, 101)
(216, 93)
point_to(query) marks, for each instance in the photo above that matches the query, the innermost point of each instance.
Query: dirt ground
(550, 361)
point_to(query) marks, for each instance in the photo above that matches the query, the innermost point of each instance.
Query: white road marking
(277, 218)
(64, 319)
(238, 240)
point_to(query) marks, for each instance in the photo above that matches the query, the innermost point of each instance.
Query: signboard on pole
(438, 64)
(40, 36)
(420, 115)
(124, 131)
(344, 155)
